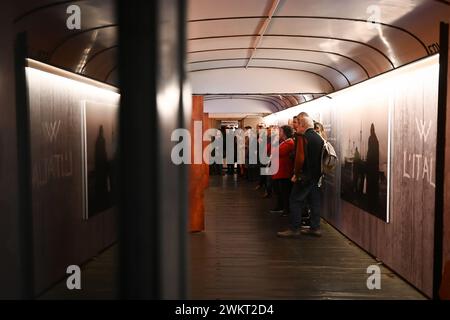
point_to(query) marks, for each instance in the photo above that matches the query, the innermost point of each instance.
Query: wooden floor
(99, 280)
(240, 257)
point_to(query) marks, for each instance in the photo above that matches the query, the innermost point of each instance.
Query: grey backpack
(329, 157)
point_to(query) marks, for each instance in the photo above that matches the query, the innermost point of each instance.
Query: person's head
(286, 132)
(318, 127)
(295, 123)
(304, 123)
(300, 116)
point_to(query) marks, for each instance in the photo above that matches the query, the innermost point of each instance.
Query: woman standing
(282, 179)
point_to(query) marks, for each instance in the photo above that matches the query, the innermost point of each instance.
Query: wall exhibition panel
(383, 191)
(73, 137)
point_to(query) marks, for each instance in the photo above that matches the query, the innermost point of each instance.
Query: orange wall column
(199, 173)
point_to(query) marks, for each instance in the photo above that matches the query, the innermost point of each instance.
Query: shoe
(276, 211)
(288, 234)
(305, 223)
(311, 232)
(257, 187)
(305, 227)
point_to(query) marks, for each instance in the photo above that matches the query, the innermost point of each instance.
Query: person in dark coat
(306, 186)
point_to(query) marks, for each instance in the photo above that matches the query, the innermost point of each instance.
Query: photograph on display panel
(99, 137)
(364, 158)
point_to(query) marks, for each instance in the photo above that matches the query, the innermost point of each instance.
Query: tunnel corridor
(116, 116)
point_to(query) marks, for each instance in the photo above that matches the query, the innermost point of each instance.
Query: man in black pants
(306, 186)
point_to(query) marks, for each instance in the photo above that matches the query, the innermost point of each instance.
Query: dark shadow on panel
(363, 184)
(100, 153)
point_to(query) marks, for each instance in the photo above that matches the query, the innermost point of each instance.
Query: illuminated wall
(61, 236)
(404, 104)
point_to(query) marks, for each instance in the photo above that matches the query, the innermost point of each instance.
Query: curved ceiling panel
(217, 54)
(280, 102)
(391, 10)
(338, 62)
(200, 9)
(236, 26)
(51, 41)
(257, 80)
(276, 104)
(333, 59)
(373, 61)
(385, 38)
(329, 40)
(338, 79)
(347, 29)
(70, 53)
(215, 64)
(94, 12)
(241, 105)
(100, 54)
(98, 66)
(196, 44)
(332, 36)
(112, 76)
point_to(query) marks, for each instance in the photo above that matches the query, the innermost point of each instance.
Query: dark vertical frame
(183, 122)
(24, 171)
(152, 221)
(440, 159)
(137, 126)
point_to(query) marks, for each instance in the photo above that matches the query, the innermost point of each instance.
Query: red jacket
(286, 163)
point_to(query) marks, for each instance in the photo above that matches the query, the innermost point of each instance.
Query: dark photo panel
(364, 156)
(100, 141)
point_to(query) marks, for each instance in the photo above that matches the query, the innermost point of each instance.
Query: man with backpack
(306, 187)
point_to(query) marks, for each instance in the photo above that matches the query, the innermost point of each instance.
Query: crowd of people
(296, 184)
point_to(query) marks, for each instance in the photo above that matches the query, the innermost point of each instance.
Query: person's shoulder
(290, 142)
(310, 133)
(314, 136)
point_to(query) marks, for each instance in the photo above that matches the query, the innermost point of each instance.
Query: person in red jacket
(282, 179)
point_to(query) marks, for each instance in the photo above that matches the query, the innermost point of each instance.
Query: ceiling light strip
(263, 30)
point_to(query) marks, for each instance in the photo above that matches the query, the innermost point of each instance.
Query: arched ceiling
(271, 50)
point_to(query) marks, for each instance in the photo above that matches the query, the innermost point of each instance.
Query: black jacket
(312, 167)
